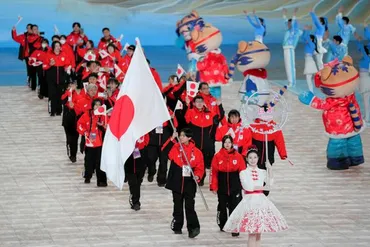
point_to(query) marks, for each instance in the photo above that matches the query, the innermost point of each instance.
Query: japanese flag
(102, 79)
(101, 110)
(70, 95)
(192, 88)
(85, 86)
(180, 71)
(90, 56)
(179, 105)
(120, 76)
(103, 54)
(126, 46)
(33, 62)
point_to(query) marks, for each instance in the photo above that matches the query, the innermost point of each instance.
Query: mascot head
(338, 79)
(251, 55)
(201, 37)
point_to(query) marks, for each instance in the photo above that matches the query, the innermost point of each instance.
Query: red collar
(262, 73)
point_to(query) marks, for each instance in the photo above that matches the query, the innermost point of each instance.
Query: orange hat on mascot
(341, 112)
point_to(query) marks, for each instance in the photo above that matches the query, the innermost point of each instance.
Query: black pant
(27, 66)
(92, 162)
(226, 202)
(154, 152)
(71, 141)
(208, 153)
(33, 76)
(42, 81)
(188, 196)
(134, 171)
(55, 94)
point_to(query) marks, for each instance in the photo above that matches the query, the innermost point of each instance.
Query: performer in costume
(320, 25)
(259, 26)
(337, 49)
(224, 180)
(364, 64)
(255, 214)
(309, 49)
(251, 59)
(290, 42)
(346, 29)
(341, 113)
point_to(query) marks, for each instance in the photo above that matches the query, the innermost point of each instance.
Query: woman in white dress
(255, 214)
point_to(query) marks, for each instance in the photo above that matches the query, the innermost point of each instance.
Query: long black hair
(324, 21)
(227, 137)
(314, 40)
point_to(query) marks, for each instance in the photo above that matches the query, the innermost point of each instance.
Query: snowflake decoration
(335, 69)
(344, 67)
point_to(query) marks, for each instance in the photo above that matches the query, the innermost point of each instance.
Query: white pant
(289, 61)
(319, 62)
(309, 82)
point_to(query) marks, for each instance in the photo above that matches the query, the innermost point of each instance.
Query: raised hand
(285, 11)
(245, 12)
(296, 10)
(340, 10)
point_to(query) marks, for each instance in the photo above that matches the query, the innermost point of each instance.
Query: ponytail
(313, 39)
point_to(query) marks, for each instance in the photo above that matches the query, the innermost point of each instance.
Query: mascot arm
(280, 144)
(308, 98)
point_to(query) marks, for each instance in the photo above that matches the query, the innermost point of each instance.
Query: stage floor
(44, 201)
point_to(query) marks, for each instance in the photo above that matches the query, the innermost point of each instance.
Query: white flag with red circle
(90, 56)
(101, 110)
(192, 88)
(180, 71)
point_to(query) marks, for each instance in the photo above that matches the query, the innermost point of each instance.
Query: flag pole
(191, 170)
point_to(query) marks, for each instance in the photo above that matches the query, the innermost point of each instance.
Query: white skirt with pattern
(255, 214)
(309, 65)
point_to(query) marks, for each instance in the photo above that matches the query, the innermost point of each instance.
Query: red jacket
(199, 118)
(109, 62)
(168, 91)
(73, 38)
(142, 142)
(242, 139)
(210, 102)
(69, 52)
(157, 78)
(39, 55)
(336, 115)
(276, 137)
(72, 94)
(87, 126)
(83, 103)
(103, 43)
(213, 68)
(226, 166)
(61, 60)
(32, 40)
(82, 52)
(112, 99)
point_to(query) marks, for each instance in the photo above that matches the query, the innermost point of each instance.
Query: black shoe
(40, 96)
(52, 114)
(193, 233)
(102, 184)
(58, 114)
(136, 207)
(201, 183)
(177, 232)
(73, 159)
(125, 180)
(235, 234)
(87, 180)
(161, 185)
(150, 178)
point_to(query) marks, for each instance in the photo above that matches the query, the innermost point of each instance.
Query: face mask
(44, 45)
(62, 41)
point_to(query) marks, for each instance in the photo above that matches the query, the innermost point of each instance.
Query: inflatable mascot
(341, 113)
(203, 46)
(251, 59)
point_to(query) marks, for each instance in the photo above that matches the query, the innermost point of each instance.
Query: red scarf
(261, 73)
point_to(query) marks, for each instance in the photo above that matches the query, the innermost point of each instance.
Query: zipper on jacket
(228, 178)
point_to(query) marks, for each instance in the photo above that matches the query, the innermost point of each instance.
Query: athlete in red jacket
(36, 59)
(181, 181)
(224, 179)
(55, 64)
(242, 136)
(93, 128)
(135, 169)
(108, 39)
